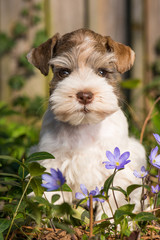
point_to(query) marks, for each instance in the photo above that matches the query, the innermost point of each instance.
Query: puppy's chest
(78, 151)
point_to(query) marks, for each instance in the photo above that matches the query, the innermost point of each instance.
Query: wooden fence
(132, 22)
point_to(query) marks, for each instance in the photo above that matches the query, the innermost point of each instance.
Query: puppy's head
(85, 67)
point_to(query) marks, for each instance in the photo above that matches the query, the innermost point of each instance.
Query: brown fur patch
(80, 45)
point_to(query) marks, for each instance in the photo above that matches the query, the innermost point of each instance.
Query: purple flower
(54, 181)
(143, 173)
(86, 194)
(154, 158)
(157, 137)
(95, 193)
(116, 160)
(155, 189)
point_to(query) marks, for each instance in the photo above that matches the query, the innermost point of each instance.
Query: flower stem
(155, 202)
(15, 214)
(62, 194)
(102, 207)
(91, 215)
(156, 196)
(110, 207)
(114, 194)
(142, 196)
(50, 220)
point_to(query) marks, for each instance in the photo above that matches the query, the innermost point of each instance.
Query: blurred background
(25, 24)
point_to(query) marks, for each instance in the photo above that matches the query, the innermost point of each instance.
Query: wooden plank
(108, 17)
(66, 16)
(137, 34)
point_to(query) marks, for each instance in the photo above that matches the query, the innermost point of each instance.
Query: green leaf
(19, 29)
(55, 198)
(39, 156)
(81, 214)
(104, 216)
(41, 200)
(10, 175)
(11, 183)
(63, 227)
(64, 188)
(131, 83)
(145, 216)
(120, 214)
(35, 169)
(85, 237)
(132, 187)
(16, 82)
(64, 208)
(40, 37)
(120, 190)
(1, 236)
(12, 159)
(6, 43)
(124, 227)
(100, 227)
(123, 211)
(156, 117)
(82, 201)
(108, 183)
(36, 186)
(4, 224)
(127, 207)
(34, 212)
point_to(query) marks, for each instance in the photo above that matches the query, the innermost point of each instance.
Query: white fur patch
(64, 103)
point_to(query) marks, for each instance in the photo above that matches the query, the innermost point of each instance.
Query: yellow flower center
(58, 182)
(154, 161)
(117, 163)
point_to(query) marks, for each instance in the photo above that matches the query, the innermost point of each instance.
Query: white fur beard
(66, 108)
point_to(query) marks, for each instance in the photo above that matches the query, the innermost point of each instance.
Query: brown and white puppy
(84, 118)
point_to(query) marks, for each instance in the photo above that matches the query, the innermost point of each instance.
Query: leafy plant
(6, 43)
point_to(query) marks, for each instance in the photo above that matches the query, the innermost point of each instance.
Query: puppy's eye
(102, 72)
(64, 72)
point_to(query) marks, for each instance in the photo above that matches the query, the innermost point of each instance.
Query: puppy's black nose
(85, 97)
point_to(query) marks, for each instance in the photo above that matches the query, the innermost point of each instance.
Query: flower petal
(47, 177)
(50, 186)
(110, 156)
(153, 153)
(84, 189)
(110, 165)
(88, 202)
(61, 177)
(157, 159)
(136, 174)
(54, 173)
(124, 156)
(143, 169)
(79, 195)
(93, 193)
(157, 137)
(116, 153)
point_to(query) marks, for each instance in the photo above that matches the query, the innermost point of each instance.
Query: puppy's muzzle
(84, 97)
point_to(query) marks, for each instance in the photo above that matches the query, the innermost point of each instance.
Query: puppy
(84, 118)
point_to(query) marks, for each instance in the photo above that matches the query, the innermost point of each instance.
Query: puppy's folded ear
(125, 56)
(41, 55)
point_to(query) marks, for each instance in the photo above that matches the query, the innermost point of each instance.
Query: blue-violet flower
(116, 160)
(155, 189)
(54, 181)
(154, 158)
(157, 137)
(143, 173)
(86, 194)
